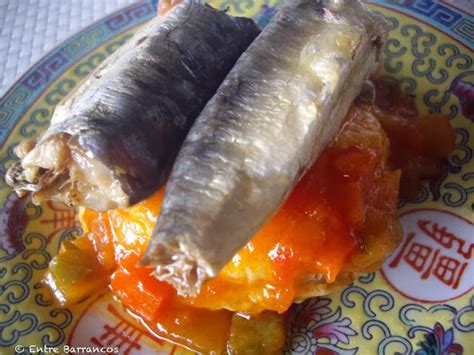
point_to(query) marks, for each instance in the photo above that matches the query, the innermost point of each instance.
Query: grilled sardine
(280, 105)
(112, 142)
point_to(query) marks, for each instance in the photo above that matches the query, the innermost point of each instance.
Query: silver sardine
(280, 105)
(112, 142)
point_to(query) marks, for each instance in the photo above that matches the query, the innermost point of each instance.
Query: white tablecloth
(30, 28)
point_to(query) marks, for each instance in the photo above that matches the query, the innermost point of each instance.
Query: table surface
(30, 28)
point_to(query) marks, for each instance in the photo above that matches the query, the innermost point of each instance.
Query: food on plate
(113, 140)
(279, 106)
(340, 220)
(285, 188)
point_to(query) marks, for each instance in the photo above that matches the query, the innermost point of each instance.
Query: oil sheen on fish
(280, 105)
(112, 142)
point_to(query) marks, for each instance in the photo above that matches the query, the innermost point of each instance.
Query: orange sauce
(122, 236)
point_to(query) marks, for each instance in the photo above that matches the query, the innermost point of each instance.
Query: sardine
(280, 105)
(112, 142)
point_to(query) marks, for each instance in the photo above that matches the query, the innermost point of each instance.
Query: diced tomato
(140, 291)
(157, 305)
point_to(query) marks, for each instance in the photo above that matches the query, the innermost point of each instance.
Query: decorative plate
(420, 302)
